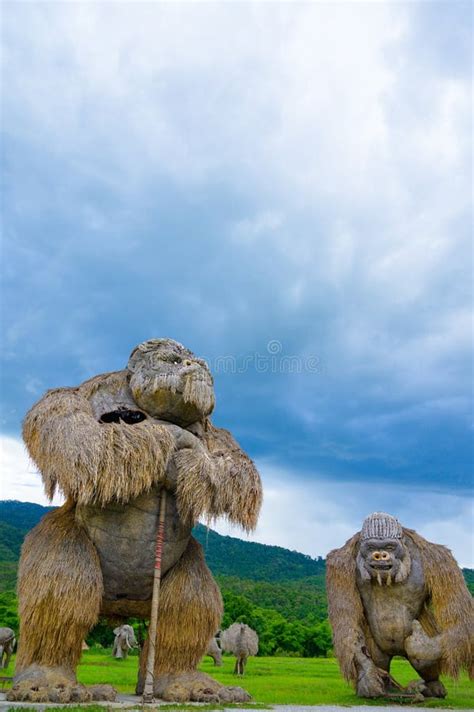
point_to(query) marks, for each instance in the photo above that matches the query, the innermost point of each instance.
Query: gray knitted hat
(381, 526)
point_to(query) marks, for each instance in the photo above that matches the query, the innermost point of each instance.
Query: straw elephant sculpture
(214, 652)
(124, 641)
(242, 641)
(110, 445)
(7, 646)
(392, 592)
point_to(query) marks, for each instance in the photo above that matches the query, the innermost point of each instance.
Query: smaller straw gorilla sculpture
(391, 592)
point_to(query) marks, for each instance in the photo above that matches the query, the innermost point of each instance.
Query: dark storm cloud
(167, 174)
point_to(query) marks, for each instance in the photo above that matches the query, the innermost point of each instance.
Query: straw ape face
(383, 555)
(383, 560)
(170, 383)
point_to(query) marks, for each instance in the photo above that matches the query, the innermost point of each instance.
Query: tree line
(277, 635)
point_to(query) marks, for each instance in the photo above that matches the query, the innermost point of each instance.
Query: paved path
(129, 701)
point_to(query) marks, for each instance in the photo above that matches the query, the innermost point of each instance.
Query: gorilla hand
(183, 441)
(421, 649)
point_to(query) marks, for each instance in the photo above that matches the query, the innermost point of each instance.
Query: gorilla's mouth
(382, 572)
(381, 566)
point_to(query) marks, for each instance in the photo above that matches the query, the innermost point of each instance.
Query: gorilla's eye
(177, 360)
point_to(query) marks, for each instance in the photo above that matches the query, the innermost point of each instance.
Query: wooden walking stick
(155, 600)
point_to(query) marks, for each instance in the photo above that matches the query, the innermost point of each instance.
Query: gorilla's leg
(60, 592)
(8, 653)
(382, 660)
(189, 614)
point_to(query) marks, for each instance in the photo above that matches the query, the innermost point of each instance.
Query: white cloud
(250, 229)
(303, 96)
(20, 479)
(316, 515)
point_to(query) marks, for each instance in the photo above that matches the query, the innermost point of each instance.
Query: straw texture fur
(88, 461)
(59, 589)
(450, 604)
(345, 606)
(219, 480)
(189, 614)
(449, 609)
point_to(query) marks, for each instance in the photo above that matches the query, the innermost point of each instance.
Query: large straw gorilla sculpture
(391, 592)
(109, 445)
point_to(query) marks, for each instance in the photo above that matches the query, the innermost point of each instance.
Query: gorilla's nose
(380, 556)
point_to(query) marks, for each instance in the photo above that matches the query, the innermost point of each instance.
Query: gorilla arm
(92, 462)
(449, 620)
(216, 478)
(347, 619)
(423, 650)
(238, 485)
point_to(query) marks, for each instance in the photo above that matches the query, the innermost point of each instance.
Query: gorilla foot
(44, 684)
(434, 688)
(196, 687)
(374, 682)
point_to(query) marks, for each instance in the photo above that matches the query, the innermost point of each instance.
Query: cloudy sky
(284, 188)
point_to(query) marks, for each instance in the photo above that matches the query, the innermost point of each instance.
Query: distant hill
(229, 556)
(21, 515)
(16, 519)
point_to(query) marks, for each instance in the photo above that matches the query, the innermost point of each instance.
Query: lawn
(305, 681)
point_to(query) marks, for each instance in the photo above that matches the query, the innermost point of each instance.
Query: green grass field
(305, 681)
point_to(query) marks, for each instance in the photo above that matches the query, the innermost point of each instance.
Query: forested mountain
(229, 556)
(21, 515)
